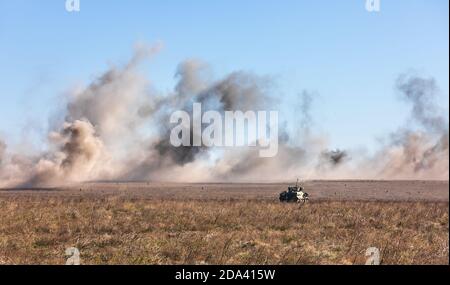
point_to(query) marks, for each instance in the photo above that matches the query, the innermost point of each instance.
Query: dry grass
(118, 230)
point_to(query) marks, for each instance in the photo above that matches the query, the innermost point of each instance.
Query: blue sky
(348, 56)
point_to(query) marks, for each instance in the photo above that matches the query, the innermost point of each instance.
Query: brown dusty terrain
(426, 191)
(165, 223)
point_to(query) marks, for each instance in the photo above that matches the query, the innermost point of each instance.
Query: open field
(160, 223)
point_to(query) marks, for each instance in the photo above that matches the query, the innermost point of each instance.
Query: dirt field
(161, 223)
(424, 191)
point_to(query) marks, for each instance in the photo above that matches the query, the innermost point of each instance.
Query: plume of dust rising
(116, 128)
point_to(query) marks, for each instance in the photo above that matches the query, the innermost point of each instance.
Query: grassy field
(115, 229)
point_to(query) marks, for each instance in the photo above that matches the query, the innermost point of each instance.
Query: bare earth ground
(165, 223)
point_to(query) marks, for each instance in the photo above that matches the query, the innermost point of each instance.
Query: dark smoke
(419, 153)
(421, 94)
(237, 91)
(334, 157)
(180, 155)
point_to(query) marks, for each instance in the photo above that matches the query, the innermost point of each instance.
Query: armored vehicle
(294, 194)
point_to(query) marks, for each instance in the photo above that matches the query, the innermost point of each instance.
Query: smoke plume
(333, 157)
(117, 128)
(420, 152)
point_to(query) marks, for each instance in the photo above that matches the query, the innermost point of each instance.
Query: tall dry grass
(119, 230)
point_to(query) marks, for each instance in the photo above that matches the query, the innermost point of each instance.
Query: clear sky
(348, 56)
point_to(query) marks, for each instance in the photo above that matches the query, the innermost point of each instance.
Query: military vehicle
(294, 194)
